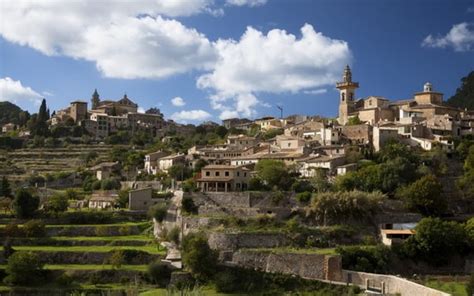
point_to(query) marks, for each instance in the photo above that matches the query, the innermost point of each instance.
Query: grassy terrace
(105, 238)
(90, 267)
(455, 288)
(149, 249)
(93, 225)
(325, 251)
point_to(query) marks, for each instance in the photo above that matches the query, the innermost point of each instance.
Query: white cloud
(315, 91)
(110, 34)
(460, 38)
(190, 115)
(274, 63)
(251, 3)
(178, 102)
(141, 110)
(14, 92)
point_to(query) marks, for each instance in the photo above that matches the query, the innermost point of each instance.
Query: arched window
(351, 96)
(343, 97)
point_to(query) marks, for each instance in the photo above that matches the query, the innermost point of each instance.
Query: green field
(149, 249)
(91, 267)
(105, 238)
(454, 288)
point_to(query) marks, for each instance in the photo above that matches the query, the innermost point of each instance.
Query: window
(238, 174)
(343, 97)
(227, 174)
(217, 174)
(208, 173)
(289, 144)
(245, 174)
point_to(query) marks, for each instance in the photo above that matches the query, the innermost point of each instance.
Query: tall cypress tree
(40, 126)
(5, 189)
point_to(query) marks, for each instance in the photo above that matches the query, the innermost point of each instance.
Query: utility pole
(281, 111)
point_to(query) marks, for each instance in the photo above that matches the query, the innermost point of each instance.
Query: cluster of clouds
(144, 40)
(460, 38)
(14, 91)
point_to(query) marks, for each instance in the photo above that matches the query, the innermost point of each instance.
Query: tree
(320, 181)
(123, 199)
(188, 206)
(342, 206)
(179, 172)
(158, 212)
(221, 131)
(39, 125)
(464, 96)
(198, 257)
(424, 196)
(58, 203)
(23, 268)
(469, 228)
(354, 120)
(274, 173)
(5, 189)
(25, 204)
(436, 240)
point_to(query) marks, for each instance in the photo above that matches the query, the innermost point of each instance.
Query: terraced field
(86, 259)
(18, 164)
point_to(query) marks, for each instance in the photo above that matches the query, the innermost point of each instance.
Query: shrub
(198, 256)
(64, 280)
(158, 212)
(124, 230)
(338, 207)
(173, 235)
(12, 230)
(58, 203)
(25, 204)
(101, 231)
(188, 206)
(159, 274)
(23, 268)
(435, 241)
(368, 259)
(304, 197)
(34, 228)
(116, 258)
(424, 196)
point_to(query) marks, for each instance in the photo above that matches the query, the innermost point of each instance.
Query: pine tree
(464, 96)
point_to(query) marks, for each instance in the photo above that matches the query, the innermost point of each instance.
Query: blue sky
(393, 47)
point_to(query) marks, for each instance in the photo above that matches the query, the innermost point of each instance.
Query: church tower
(346, 95)
(95, 99)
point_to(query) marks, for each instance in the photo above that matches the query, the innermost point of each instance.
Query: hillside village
(378, 201)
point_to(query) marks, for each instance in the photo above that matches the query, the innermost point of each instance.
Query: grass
(90, 267)
(323, 251)
(149, 249)
(105, 238)
(92, 225)
(451, 287)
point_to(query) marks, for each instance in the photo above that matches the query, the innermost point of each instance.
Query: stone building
(224, 178)
(142, 199)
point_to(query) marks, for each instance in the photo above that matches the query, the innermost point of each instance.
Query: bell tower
(95, 99)
(346, 95)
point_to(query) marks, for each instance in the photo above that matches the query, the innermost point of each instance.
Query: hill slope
(9, 113)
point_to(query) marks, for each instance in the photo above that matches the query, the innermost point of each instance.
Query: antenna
(281, 110)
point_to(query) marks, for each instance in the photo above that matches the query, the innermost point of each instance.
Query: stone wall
(388, 284)
(243, 204)
(234, 241)
(309, 266)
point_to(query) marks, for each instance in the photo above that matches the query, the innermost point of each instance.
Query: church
(374, 109)
(425, 119)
